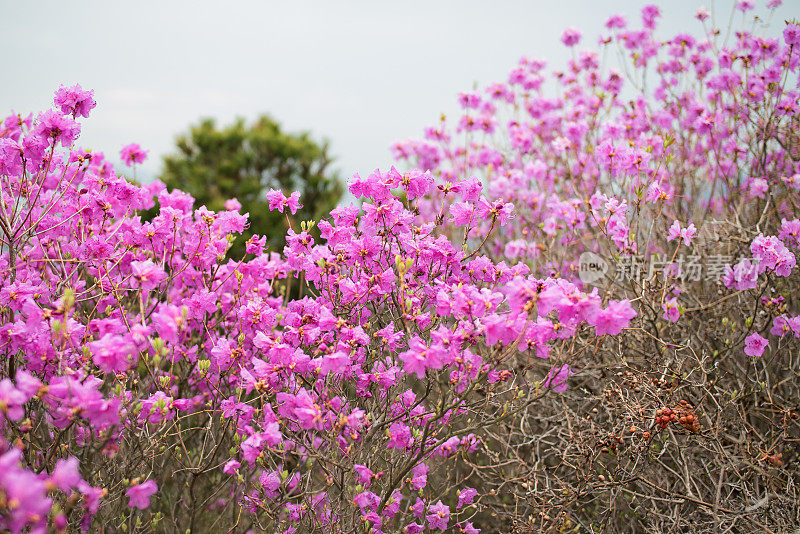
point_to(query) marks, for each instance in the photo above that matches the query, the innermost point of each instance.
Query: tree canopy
(244, 161)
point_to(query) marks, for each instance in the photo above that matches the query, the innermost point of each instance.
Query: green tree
(244, 162)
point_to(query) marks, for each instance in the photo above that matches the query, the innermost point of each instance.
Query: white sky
(362, 74)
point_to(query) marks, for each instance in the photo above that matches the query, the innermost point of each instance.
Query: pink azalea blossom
(571, 36)
(139, 495)
(556, 379)
(65, 475)
(61, 129)
(772, 255)
(147, 274)
(613, 319)
(132, 154)
(230, 467)
(791, 34)
(671, 310)
(744, 275)
(466, 497)
(754, 345)
(112, 353)
(74, 101)
(438, 516)
(278, 201)
(687, 234)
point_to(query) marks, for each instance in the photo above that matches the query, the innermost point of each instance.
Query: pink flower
(758, 187)
(373, 519)
(675, 231)
(302, 407)
(657, 192)
(293, 202)
(449, 447)
(419, 476)
(148, 274)
(389, 336)
(233, 204)
(364, 474)
(791, 34)
(418, 508)
(367, 500)
(393, 504)
(783, 325)
(557, 378)
(419, 358)
(28, 384)
(571, 36)
(11, 401)
(156, 409)
(470, 189)
(792, 181)
(754, 345)
(790, 232)
(27, 492)
(132, 154)
(649, 15)
(613, 319)
(168, 320)
(74, 100)
(466, 496)
(503, 211)
(743, 276)
(231, 467)
(616, 21)
(438, 516)
(336, 363)
(10, 158)
(561, 144)
(278, 201)
(399, 436)
(271, 482)
(112, 353)
(461, 212)
(139, 495)
(772, 254)
(469, 100)
(417, 183)
(671, 311)
(66, 476)
(51, 124)
(255, 245)
(92, 497)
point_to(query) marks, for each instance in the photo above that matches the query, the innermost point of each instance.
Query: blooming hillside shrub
(152, 382)
(451, 331)
(672, 183)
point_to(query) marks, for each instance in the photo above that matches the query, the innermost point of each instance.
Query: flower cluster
(596, 169)
(343, 383)
(126, 332)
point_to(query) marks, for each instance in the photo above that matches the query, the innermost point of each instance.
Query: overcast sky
(362, 74)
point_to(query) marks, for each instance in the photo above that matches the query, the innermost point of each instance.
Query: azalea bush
(574, 311)
(669, 178)
(154, 382)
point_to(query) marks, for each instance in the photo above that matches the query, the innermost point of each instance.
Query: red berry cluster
(665, 416)
(682, 413)
(790, 416)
